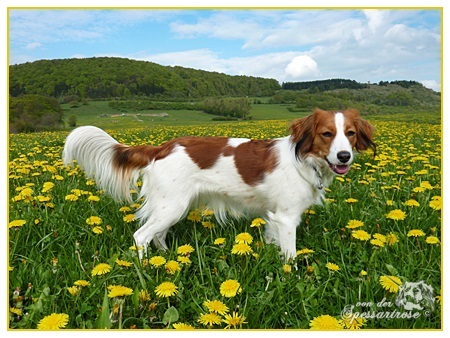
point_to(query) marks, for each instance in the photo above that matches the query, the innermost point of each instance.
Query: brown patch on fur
(128, 158)
(254, 159)
(364, 131)
(204, 151)
(306, 133)
(228, 151)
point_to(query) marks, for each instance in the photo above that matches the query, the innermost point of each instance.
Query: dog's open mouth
(340, 169)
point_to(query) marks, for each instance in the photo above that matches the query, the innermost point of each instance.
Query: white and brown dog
(277, 179)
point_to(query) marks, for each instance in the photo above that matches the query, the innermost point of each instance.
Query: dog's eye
(327, 134)
(350, 133)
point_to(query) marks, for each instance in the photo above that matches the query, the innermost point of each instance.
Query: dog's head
(331, 136)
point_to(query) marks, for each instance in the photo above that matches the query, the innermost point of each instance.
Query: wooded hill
(106, 77)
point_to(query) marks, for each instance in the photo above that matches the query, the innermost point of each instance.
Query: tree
(30, 113)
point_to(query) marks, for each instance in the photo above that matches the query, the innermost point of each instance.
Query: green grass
(56, 247)
(90, 115)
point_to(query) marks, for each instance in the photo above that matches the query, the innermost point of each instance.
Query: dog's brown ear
(302, 134)
(364, 135)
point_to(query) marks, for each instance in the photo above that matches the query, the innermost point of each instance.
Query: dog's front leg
(284, 225)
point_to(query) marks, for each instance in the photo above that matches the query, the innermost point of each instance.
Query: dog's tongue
(341, 169)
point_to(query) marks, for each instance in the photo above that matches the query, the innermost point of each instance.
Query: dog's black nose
(344, 156)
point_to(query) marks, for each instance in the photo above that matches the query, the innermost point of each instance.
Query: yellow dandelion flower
(230, 288)
(166, 289)
(244, 237)
(101, 269)
(194, 216)
(157, 261)
(76, 192)
(97, 230)
(125, 209)
(351, 200)
(396, 215)
(219, 241)
(377, 242)
(287, 268)
(129, 218)
(208, 225)
(332, 266)
(304, 251)
(94, 220)
(351, 323)
(93, 198)
(432, 240)
(257, 222)
(126, 264)
(16, 223)
(436, 202)
(421, 172)
(144, 296)
(411, 203)
(71, 198)
(185, 250)
(363, 273)
(352, 224)
(172, 267)
(82, 283)
(55, 321)
(47, 186)
(241, 249)
(390, 202)
(73, 290)
(16, 311)
(119, 291)
(361, 235)
(207, 212)
(182, 326)
(418, 189)
(380, 237)
(391, 239)
(426, 185)
(216, 306)
(325, 322)
(234, 321)
(390, 283)
(184, 260)
(209, 319)
(43, 199)
(415, 233)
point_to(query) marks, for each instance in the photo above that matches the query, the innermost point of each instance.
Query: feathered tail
(102, 158)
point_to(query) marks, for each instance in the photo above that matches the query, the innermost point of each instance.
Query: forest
(107, 77)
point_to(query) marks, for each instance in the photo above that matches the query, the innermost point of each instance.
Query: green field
(91, 113)
(379, 228)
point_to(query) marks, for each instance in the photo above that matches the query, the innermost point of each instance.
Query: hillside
(105, 77)
(384, 97)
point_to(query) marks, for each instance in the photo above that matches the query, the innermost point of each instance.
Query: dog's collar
(319, 178)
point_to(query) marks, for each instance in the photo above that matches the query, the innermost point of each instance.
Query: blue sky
(288, 45)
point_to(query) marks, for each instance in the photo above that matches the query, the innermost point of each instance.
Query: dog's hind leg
(156, 226)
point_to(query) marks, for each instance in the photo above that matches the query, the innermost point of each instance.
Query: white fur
(175, 184)
(340, 141)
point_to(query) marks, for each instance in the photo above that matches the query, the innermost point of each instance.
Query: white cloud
(33, 45)
(302, 66)
(432, 84)
(375, 19)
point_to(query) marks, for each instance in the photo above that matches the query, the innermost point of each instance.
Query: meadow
(73, 263)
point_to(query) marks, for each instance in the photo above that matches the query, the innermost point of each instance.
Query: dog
(277, 178)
